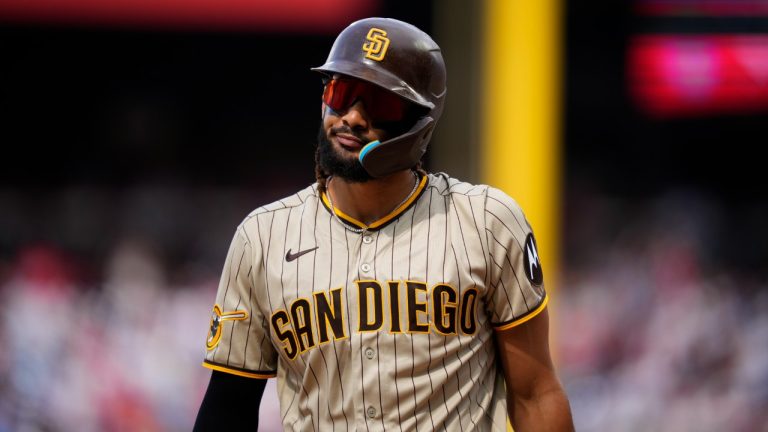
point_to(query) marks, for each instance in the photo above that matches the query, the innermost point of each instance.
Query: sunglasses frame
(381, 105)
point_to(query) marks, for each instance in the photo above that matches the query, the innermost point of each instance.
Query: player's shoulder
(501, 210)
(444, 184)
(306, 196)
(497, 203)
(500, 202)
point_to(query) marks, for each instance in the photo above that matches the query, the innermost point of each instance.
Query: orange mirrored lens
(381, 105)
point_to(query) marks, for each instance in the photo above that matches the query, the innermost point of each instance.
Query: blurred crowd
(120, 357)
(655, 332)
(651, 331)
(110, 342)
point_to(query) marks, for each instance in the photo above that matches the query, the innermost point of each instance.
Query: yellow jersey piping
(517, 322)
(386, 219)
(238, 371)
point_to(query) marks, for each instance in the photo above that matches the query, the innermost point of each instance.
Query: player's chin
(346, 166)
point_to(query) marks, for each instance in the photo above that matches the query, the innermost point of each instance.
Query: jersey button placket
(368, 340)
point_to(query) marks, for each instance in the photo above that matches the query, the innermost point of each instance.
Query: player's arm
(230, 403)
(535, 398)
(240, 369)
(517, 303)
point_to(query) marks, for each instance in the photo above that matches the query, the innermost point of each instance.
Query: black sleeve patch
(531, 261)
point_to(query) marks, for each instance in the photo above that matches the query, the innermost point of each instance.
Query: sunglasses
(383, 106)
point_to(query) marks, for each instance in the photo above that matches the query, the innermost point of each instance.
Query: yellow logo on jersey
(217, 321)
(376, 47)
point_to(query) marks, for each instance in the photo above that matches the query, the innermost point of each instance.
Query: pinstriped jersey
(387, 329)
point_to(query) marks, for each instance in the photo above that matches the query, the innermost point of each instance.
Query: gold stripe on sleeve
(532, 314)
(239, 372)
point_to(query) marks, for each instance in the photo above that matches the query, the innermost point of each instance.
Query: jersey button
(367, 239)
(365, 268)
(371, 411)
(370, 353)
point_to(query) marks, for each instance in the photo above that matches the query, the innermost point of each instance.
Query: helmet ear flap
(402, 152)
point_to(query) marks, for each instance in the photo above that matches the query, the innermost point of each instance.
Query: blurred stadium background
(137, 135)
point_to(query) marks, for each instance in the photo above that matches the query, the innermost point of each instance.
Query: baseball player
(383, 297)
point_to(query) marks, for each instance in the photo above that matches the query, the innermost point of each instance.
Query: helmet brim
(377, 77)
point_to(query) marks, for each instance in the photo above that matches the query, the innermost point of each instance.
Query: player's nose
(356, 117)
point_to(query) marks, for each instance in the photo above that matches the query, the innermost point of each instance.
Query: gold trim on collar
(377, 224)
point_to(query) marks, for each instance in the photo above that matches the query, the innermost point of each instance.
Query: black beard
(333, 164)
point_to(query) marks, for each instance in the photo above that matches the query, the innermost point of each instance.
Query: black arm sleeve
(231, 402)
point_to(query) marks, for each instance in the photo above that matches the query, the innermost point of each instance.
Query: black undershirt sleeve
(230, 402)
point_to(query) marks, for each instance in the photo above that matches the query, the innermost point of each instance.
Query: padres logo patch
(217, 321)
(531, 261)
(376, 47)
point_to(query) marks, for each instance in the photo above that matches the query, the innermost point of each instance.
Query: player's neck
(374, 199)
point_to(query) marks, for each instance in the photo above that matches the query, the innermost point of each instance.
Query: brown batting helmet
(404, 60)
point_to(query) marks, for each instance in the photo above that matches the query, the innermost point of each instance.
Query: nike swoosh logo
(290, 257)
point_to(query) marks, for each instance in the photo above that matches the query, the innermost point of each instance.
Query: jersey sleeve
(516, 292)
(238, 339)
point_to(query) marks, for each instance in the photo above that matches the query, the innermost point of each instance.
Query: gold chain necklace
(359, 230)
